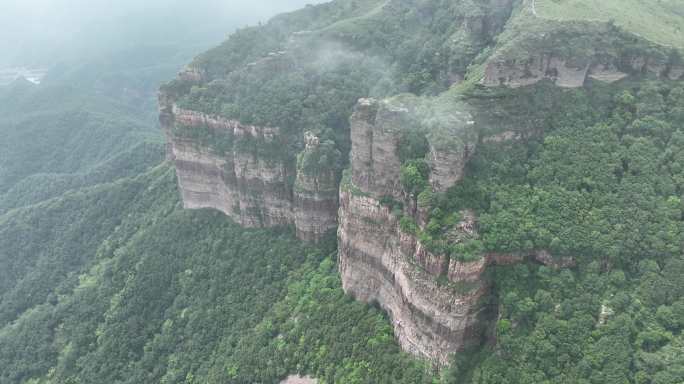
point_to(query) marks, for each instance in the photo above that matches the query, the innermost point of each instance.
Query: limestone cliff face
(374, 158)
(531, 70)
(564, 73)
(378, 262)
(570, 53)
(225, 165)
(450, 150)
(315, 197)
(439, 304)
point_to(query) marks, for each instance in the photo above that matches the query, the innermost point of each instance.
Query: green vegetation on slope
(604, 186)
(59, 136)
(116, 283)
(104, 278)
(42, 244)
(305, 71)
(592, 325)
(126, 287)
(85, 124)
(659, 21)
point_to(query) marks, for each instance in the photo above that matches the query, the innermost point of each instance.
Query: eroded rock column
(434, 313)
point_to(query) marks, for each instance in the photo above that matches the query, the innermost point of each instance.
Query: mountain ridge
(521, 49)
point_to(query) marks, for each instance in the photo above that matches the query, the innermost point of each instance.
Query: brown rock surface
(244, 182)
(374, 159)
(520, 73)
(315, 198)
(432, 317)
(568, 53)
(377, 263)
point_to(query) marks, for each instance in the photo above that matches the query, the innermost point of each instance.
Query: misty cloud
(40, 30)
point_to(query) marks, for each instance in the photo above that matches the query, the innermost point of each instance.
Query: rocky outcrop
(375, 131)
(378, 262)
(449, 154)
(438, 303)
(476, 28)
(235, 180)
(529, 71)
(447, 166)
(192, 74)
(676, 72)
(315, 197)
(233, 167)
(296, 379)
(595, 51)
(606, 73)
(520, 73)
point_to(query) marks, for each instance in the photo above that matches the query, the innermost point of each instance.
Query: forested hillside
(603, 186)
(116, 283)
(558, 125)
(80, 127)
(105, 278)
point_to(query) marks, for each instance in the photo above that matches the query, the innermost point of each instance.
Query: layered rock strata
(530, 58)
(565, 74)
(438, 304)
(315, 197)
(233, 167)
(378, 262)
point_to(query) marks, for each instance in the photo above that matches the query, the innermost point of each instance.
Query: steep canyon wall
(229, 166)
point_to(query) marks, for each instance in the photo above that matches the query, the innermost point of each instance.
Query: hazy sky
(45, 30)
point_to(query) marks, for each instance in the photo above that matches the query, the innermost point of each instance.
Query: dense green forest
(105, 278)
(80, 127)
(126, 287)
(116, 282)
(604, 186)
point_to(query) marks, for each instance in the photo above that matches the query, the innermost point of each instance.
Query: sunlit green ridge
(659, 21)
